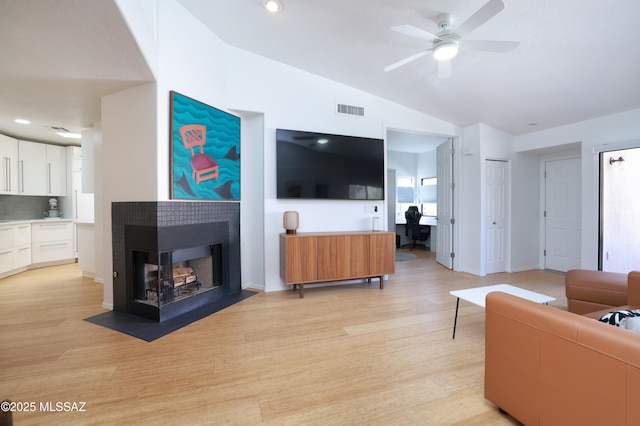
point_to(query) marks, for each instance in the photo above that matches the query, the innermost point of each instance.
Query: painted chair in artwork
(202, 165)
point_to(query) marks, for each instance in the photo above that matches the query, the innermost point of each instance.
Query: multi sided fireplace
(176, 269)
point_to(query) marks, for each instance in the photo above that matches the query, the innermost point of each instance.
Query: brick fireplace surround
(163, 214)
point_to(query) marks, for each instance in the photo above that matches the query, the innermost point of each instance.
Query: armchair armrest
(633, 290)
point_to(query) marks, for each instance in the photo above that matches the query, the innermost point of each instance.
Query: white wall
(480, 143)
(291, 98)
(198, 64)
(610, 129)
(427, 165)
(192, 61)
(405, 163)
(468, 245)
(129, 159)
(525, 212)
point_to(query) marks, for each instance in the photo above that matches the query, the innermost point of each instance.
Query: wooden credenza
(311, 258)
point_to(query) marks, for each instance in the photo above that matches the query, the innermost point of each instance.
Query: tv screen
(330, 167)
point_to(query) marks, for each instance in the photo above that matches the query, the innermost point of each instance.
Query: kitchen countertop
(18, 221)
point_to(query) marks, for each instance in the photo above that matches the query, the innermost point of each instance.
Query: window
(405, 196)
(428, 196)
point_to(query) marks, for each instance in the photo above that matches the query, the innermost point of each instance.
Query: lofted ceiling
(577, 59)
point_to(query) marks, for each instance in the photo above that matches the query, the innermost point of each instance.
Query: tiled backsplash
(22, 207)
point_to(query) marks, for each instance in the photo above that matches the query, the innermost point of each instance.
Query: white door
(563, 220)
(496, 204)
(444, 231)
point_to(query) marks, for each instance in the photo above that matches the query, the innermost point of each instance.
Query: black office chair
(414, 230)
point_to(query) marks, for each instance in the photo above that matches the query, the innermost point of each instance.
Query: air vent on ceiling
(343, 109)
(56, 128)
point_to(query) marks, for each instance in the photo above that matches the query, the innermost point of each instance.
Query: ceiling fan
(447, 42)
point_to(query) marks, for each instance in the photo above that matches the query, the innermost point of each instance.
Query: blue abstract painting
(205, 151)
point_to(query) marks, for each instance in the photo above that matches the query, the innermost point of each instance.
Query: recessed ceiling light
(69, 135)
(323, 141)
(22, 121)
(273, 5)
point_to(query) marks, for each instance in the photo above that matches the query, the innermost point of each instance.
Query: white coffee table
(478, 296)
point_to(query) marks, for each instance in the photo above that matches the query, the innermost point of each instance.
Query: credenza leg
(381, 282)
(301, 290)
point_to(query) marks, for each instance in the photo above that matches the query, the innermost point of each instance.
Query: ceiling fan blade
(406, 61)
(444, 69)
(488, 45)
(412, 31)
(482, 15)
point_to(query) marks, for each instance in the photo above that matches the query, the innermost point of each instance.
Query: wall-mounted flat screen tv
(329, 167)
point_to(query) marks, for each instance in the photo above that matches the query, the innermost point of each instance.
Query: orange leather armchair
(544, 365)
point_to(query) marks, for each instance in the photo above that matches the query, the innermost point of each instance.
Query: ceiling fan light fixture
(445, 51)
(273, 6)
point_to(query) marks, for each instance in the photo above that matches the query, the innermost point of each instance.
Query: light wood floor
(350, 354)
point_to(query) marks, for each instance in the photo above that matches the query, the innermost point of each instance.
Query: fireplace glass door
(167, 277)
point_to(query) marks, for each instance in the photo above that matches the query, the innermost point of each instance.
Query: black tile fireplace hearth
(171, 258)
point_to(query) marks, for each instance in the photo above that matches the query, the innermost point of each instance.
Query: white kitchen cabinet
(6, 248)
(21, 245)
(42, 169)
(15, 247)
(52, 241)
(33, 168)
(8, 165)
(6, 260)
(56, 171)
(6, 236)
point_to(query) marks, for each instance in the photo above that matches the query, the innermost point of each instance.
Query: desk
(431, 221)
(424, 220)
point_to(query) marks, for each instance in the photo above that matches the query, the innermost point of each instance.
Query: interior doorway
(412, 156)
(619, 249)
